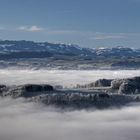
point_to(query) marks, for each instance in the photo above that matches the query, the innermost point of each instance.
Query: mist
(66, 78)
(21, 120)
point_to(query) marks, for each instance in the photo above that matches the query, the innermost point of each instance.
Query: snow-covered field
(61, 77)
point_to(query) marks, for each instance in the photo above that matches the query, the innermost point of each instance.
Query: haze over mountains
(62, 56)
(65, 49)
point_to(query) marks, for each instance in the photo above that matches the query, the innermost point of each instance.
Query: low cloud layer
(61, 77)
(20, 120)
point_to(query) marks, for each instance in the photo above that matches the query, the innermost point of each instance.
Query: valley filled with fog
(24, 120)
(66, 78)
(21, 120)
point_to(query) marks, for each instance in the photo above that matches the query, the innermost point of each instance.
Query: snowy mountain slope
(70, 49)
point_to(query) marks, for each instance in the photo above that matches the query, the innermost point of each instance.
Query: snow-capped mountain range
(7, 46)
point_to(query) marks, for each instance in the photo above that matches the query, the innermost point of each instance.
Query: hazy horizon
(88, 23)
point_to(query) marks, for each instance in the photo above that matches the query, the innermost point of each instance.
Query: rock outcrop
(102, 83)
(28, 90)
(121, 92)
(36, 88)
(126, 86)
(2, 88)
(82, 101)
(98, 83)
(121, 86)
(115, 84)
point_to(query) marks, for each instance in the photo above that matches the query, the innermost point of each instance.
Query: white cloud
(104, 37)
(57, 77)
(33, 28)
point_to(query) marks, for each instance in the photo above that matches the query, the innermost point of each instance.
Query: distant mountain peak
(65, 49)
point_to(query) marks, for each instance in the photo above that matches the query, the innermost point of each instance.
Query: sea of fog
(20, 120)
(67, 78)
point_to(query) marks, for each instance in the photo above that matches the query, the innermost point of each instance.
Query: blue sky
(89, 23)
